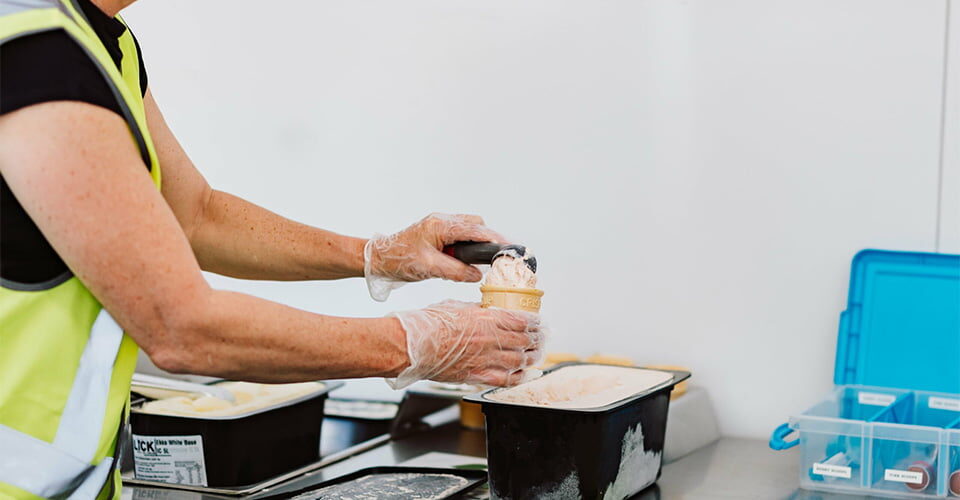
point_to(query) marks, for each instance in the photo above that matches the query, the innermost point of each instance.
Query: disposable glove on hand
(416, 253)
(461, 342)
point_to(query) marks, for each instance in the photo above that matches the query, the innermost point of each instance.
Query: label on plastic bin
(832, 470)
(875, 399)
(944, 404)
(903, 476)
(169, 459)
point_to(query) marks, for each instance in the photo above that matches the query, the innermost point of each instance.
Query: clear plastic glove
(461, 342)
(416, 253)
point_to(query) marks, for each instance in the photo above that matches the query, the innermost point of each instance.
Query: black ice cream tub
(609, 452)
(229, 451)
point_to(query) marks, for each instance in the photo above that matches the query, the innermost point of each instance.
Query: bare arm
(77, 173)
(234, 237)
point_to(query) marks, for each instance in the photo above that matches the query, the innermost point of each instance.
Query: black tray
(474, 477)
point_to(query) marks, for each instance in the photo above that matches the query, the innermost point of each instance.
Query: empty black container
(609, 452)
(474, 479)
(240, 450)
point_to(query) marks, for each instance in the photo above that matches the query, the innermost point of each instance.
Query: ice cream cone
(520, 299)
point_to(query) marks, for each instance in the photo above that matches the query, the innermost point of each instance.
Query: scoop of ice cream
(511, 271)
(582, 386)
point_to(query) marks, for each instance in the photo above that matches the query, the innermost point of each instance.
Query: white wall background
(695, 176)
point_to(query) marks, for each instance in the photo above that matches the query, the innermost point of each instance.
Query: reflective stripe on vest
(65, 361)
(49, 470)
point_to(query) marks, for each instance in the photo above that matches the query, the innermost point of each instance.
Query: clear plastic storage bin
(872, 438)
(891, 427)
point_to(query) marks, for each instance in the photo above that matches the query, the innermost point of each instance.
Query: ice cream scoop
(471, 252)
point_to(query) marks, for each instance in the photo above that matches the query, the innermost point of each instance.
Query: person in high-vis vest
(99, 256)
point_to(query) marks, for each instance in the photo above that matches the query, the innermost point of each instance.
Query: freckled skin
(140, 252)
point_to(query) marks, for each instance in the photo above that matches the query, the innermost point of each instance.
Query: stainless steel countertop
(730, 468)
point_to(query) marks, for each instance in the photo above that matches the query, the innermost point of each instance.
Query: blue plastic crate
(892, 425)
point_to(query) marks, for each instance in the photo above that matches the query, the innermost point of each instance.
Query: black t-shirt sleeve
(50, 66)
(37, 68)
(143, 67)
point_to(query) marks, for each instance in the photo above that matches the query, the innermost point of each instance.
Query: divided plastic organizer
(891, 427)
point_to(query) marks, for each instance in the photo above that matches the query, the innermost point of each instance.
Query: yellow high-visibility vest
(65, 365)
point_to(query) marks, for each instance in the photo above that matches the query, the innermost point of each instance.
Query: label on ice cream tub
(169, 459)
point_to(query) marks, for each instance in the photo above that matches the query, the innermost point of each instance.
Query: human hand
(416, 253)
(461, 342)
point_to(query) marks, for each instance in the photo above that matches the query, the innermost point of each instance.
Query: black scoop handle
(471, 252)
